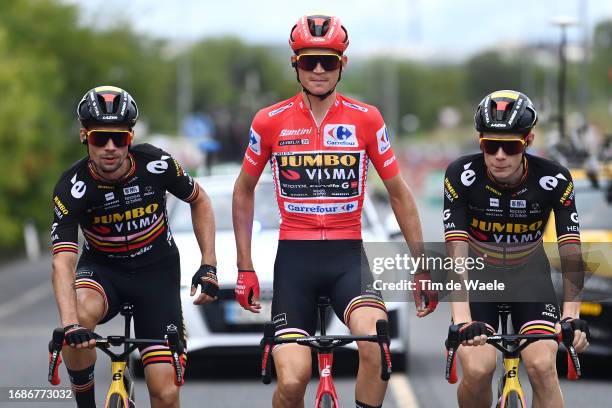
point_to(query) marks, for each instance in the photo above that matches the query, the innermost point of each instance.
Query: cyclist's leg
(155, 292)
(294, 313)
(540, 357)
(478, 363)
(96, 302)
(359, 306)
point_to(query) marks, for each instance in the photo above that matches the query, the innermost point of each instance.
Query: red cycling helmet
(319, 32)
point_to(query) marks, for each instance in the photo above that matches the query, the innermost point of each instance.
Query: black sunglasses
(511, 147)
(308, 62)
(100, 137)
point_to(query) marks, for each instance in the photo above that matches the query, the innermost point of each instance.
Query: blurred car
(595, 215)
(224, 327)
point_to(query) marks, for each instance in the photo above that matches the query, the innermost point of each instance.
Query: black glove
(467, 331)
(207, 277)
(579, 324)
(76, 334)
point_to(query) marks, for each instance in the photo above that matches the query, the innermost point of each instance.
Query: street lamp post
(563, 23)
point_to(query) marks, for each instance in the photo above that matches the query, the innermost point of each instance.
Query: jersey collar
(98, 177)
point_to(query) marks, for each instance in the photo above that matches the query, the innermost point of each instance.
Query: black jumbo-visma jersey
(125, 222)
(507, 224)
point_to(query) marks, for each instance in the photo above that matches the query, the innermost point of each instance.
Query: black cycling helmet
(107, 105)
(505, 111)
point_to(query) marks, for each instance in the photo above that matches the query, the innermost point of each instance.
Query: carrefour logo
(382, 138)
(321, 208)
(340, 135)
(255, 142)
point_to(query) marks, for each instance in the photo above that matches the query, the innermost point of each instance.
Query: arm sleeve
(179, 182)
(378, 147)
(566, 215)
(66, 210)
(455, 205)
(260, 146)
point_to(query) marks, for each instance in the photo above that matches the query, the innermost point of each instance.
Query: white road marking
(402, 391)
(26, 299)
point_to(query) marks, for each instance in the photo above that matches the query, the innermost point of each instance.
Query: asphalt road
(28, 314)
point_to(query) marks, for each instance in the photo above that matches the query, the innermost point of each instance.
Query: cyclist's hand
(425, 299)
(247, 290)
(473, 333)
(78, 336)
(581, 333)
(207, 277)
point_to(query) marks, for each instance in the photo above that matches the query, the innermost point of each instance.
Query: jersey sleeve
(259, 150)
(179, 182)
(455, 205)
(564, 207)
(68, 204)
(378, 147)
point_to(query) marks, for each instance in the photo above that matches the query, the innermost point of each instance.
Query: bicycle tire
(513, 400)
(500, 389)
(115, 401)
(326, 401)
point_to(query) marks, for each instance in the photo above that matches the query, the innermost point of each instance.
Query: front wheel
(115, 401)
(326, 401)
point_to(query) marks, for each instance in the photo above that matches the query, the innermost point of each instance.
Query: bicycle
(509, 391)
(121, 390)
(325, 345)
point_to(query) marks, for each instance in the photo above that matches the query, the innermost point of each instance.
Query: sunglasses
(308, 62)
(511, 147)
(100, 137)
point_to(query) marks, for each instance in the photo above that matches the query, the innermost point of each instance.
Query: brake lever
(452, 344)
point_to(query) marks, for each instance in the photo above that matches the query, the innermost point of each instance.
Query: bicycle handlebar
(565, 336)
(104, 343)
(326, 343)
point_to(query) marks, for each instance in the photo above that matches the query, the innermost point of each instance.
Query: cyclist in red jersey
(319, 144)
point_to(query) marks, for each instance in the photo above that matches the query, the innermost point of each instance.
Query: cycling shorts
(155, 293)
(305, 270)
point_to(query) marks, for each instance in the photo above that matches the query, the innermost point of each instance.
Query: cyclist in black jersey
(496, 205)
(117, 195)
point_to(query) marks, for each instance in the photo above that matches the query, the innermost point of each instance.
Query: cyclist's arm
(406, 213)
(455, 219)
(460, 306)
(183, 186)
(243, 207)
(203, 220)
(64, 267)
(568, 239)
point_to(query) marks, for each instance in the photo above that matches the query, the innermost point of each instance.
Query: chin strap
(321, 96)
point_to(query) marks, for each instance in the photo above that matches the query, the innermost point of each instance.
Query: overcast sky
(438, 29)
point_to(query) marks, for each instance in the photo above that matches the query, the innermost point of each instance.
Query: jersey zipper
(319, 148)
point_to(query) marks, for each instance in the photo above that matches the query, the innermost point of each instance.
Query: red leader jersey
(319, 172)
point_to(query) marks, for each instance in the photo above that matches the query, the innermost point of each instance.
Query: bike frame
(119, 361)
(325, 346)
(511, 346)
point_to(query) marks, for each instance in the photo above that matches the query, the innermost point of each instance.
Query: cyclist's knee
(541, 368)
(369, 354)
(166, 396)
(478, 364)
(90, 307)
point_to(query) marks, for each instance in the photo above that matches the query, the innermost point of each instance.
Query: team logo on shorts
(340, 135)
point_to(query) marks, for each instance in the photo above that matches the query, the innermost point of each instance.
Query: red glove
(422, 292)
(247, 289)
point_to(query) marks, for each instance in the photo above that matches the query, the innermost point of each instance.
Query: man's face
(318, 80)
(109, 157)
(503, 153)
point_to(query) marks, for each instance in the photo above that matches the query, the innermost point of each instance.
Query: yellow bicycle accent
(117, 386)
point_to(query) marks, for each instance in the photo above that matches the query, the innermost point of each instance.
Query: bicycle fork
(511, 381)
(117, 385)
(326, 384)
